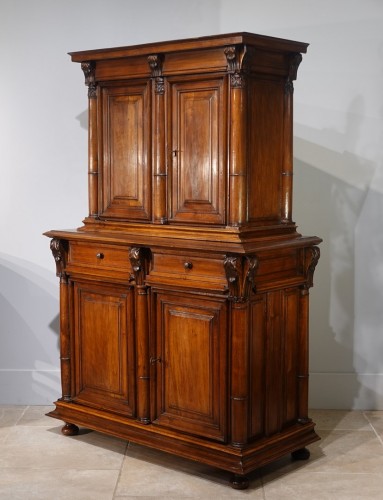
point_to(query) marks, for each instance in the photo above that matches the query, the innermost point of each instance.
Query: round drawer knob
(188, 265)
(100, 255)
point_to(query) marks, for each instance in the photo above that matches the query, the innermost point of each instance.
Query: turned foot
(70, 430)
(239, 482)
(301, 454)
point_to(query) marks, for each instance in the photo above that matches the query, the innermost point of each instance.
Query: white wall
(338, 169)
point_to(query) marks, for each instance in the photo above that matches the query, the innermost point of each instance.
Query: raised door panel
(191, 372)
(198, 127)
(126, 174)
(103, 347)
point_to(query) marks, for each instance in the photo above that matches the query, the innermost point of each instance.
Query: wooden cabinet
(184, 294)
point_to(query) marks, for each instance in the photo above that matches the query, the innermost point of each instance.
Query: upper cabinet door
(126, 151)
(197, 129)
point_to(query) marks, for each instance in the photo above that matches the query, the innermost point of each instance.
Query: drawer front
(187, 265)
(99, 256)
(188, 270)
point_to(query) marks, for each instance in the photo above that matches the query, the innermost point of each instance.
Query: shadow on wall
(337, 199)
(29, 329)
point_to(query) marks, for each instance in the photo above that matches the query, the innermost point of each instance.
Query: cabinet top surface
(206, 42)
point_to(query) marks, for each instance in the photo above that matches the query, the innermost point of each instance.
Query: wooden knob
(188, 265)
(100, 255)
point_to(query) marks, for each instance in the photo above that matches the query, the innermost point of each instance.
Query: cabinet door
(198, 174)
(103, 346)
(126, 177)
(190, 363)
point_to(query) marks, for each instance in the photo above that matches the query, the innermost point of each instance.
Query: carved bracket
(312, 255)
(155, 62)
(235, 56)
(240, 274)
(59, 249)
(295, 60)
(89, 69)
(139, 259)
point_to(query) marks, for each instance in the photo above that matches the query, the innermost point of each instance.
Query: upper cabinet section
(192, 132)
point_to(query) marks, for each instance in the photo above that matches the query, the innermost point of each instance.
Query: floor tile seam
(18, 418)
(348, 429)
(56, 468)
(7, 437)
(373, 428)
(320, 472)
(120, 470)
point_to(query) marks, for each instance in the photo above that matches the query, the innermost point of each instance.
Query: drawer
(187, 265)
(99, 255)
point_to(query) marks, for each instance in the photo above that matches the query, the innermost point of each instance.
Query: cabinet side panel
(274, 363)
(257, 366)
(265, 136)
(291, 325)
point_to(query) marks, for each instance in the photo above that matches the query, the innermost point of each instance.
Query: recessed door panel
(103, 338)
(125, 130)
(191, 373)
(198, 151)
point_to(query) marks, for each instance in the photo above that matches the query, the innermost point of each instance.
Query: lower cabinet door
(190, 364)
(103, 341)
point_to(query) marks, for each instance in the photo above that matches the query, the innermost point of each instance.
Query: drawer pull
(188, 265)
(100, 255)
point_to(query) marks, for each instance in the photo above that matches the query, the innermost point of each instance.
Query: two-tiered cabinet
(184, 296)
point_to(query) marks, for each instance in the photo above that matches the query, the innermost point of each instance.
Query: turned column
(311, 258)
(89, 72)
(237, 138)
(159, 149)
(240, 272)
(139, 261)
(287, 161)
(59, 250)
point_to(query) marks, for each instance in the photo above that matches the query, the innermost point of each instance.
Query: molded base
(238, 461)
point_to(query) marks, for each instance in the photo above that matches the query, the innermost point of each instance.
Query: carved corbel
(236, 56)
(89, 69)
(155, 62)
(59, 249)
(312, 255)
(240, 274)
(139, 259)
(295, 60)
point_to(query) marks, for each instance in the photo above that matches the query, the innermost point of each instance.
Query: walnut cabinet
(184, 294)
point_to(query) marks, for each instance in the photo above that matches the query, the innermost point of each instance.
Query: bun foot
(301, 454)
(239, 482)
(70, 430)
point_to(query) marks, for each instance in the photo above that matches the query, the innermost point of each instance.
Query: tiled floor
(38, 462)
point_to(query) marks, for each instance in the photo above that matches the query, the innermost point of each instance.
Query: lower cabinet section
(218, 375)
